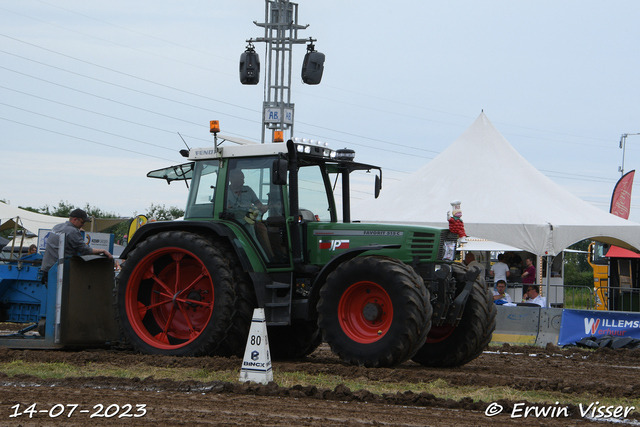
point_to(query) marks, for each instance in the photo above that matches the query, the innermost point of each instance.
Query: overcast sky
(93, 94)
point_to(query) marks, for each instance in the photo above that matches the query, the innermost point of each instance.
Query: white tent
(10, 216)
(539, 217)
(31, 221)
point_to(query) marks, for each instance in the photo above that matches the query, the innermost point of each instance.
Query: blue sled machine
(73, 310)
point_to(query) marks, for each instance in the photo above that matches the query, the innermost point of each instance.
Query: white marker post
(256, 365)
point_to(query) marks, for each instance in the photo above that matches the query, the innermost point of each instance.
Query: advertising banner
(579, 324)
(621, 197)
(94, 240)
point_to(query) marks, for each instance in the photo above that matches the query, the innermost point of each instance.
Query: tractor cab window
(313, 196)
(254, 202)
(203, 190)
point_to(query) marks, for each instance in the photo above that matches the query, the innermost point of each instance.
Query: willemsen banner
(579, 324)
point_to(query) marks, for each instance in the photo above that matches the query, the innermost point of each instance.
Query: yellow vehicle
(600, 264)
(615, 276)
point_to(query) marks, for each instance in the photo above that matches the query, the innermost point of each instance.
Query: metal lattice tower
(280, 34)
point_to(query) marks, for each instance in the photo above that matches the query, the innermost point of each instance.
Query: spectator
(529, 275)
(499, 270)
(532, 296)
(33, 249)
(470, 261)
(500, 293)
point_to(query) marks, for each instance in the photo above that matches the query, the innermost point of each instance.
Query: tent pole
(548, 285)
(15, 233)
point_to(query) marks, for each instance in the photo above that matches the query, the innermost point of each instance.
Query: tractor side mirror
(279, 172)
(378, 187)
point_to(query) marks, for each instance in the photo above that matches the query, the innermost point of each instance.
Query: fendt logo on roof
(205, 152)
(332, 245)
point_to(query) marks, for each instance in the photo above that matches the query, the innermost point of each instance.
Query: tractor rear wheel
(235, 342)
(174, 295)
(448, 345)
(374, 311)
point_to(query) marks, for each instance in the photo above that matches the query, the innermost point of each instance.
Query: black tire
(235, 342)
(374, 311)
(294, 341)
(450, 346)
(174, 296)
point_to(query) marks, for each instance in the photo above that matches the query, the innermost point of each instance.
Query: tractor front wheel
(374, 311)
(448, 345)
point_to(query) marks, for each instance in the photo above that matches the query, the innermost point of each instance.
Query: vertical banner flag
(621, 197)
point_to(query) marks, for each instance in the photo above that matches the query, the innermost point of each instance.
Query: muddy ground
(603, 373)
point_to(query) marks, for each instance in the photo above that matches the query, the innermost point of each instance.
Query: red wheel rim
(440, 333)
(365, 312)
(169, 308)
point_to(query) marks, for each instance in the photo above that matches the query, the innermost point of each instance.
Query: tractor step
(278, 285)
(277, 304)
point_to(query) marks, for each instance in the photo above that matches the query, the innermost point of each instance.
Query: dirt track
(605, 373)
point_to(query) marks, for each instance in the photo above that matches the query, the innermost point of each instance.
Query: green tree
(119, 231)
(573, 277)
(577, 271)
(579, 259)
(162, 213)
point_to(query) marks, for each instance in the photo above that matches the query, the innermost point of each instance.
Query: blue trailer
(72, 310)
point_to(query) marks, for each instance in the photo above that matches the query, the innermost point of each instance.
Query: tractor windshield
(203, 191)
(315, 204)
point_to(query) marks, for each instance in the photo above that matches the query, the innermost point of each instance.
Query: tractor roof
(237, 151)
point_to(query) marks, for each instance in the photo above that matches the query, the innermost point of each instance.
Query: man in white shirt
(499, 270)
(532, 296)
(500, 293)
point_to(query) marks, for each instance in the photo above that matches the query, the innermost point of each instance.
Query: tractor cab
(253, 187)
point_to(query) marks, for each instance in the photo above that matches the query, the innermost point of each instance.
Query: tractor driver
(242, 196)
(73, 242)
(246, 207)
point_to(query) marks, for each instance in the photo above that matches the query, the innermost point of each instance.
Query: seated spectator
(500, 295)
(532, 296)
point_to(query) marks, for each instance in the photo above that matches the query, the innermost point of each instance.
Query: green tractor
(261, 230)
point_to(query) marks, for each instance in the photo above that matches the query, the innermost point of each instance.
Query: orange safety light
(278, 136)
(214, 126)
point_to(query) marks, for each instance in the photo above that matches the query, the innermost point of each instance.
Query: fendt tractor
(261, 230)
